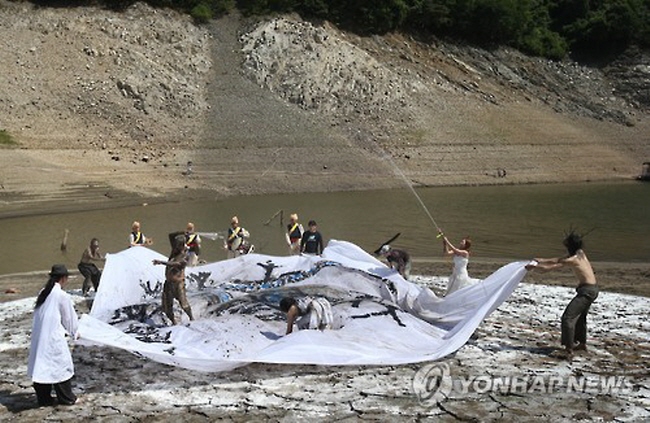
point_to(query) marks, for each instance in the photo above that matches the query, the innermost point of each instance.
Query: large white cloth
(380, 318)
(50, 360)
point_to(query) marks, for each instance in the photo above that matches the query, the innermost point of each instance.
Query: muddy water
(510, 222)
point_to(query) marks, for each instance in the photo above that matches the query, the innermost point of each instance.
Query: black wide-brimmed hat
(59, 270)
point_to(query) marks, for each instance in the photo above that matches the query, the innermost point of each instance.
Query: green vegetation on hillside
(593, 30)
(6, 139)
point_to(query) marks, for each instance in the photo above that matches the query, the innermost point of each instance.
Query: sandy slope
(107, 107)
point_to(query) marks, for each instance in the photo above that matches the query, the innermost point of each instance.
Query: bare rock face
(316, 68)
(82, 75)
(453, 114)
(377, 78)
(630, 75)
(247, 100)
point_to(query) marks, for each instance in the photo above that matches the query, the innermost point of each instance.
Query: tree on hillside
(590, 29)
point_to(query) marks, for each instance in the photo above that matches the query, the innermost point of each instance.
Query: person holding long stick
(459, 277)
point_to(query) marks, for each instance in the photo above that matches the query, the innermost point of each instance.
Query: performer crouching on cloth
(307, 313)
(50, 362)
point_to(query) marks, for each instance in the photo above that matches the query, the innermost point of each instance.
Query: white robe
(50, 360)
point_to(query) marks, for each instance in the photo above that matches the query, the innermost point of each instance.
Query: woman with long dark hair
(50, 362)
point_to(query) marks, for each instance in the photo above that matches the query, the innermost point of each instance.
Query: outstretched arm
(171, 263)
(554, 260)
(545, 265)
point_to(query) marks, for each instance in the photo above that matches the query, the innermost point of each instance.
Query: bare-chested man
(574, 319)
(88, 268)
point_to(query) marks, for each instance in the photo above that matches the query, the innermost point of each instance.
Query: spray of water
(397, 172)
(401, 174)
(275, 153)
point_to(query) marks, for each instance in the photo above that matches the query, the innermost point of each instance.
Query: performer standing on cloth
(50, 362)
(459, 276)
(88, 268)
(175, 279)
(294, 234)
(307, 313)
(399, 260)
(574, 318)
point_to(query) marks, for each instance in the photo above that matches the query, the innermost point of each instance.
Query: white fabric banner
(379, 318)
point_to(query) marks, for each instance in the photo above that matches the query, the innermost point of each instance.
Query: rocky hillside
(122, 101)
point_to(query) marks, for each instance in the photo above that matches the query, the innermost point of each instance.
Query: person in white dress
(50, 362)
(459, 277)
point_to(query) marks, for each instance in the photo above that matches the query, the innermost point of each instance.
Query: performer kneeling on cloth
(574, 319)
(307, 313)
(175, 279)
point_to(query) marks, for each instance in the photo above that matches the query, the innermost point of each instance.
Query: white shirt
(50, 360)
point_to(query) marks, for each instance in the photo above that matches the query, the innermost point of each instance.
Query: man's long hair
(573, 242)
